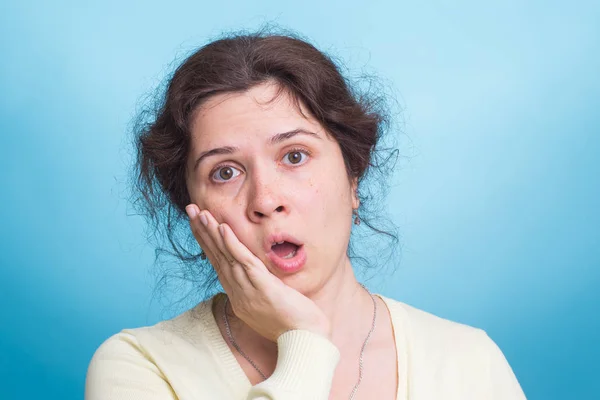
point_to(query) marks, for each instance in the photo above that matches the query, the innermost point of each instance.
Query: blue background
(498, 204)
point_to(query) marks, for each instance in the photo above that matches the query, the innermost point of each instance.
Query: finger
(213, 229)
(207, 245)
(240, 276)
(227, 263)
(257, 272)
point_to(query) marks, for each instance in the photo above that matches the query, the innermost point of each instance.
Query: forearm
(306, 363)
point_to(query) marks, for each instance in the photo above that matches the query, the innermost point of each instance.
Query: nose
(265, 199)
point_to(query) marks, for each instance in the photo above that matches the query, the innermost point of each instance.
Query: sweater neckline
(239, 382)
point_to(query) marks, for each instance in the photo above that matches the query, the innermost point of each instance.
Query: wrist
(305, 358)
(323, 330)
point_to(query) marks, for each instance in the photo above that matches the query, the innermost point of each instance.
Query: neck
(346, 303)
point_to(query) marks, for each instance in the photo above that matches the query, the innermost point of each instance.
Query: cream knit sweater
(186, 358)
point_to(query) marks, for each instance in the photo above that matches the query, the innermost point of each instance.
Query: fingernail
(191, 211)
(203, 219)
(222, 230)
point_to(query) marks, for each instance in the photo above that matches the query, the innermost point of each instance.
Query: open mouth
(285, 252)
(285, 249)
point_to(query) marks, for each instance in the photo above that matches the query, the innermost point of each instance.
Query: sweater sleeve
(306, 363)
(503, 384)
(121, 370)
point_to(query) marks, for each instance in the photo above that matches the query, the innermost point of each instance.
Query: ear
(354, 189)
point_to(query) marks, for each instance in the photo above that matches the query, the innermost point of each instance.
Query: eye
(295, 157)
(225, 173)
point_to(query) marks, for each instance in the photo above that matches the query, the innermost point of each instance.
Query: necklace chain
(262, 374)
(234, 343)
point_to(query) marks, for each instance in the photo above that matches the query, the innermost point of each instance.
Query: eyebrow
(275, 139)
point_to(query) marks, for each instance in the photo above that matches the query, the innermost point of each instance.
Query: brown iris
(226, 173)
(295, 157)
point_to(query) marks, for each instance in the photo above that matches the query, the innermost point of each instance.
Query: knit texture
(187, 358)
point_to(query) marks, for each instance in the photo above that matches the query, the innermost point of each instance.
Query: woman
(263, 145)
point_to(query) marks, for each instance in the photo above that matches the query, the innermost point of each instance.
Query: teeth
(292, 254)
(280, 242)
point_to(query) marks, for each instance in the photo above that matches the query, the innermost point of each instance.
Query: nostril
(260, 215)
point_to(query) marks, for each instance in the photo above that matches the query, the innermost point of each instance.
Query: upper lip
(273, 238)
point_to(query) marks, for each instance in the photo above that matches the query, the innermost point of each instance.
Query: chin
(303, 281)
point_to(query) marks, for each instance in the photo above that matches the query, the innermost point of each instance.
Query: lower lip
(289, 265)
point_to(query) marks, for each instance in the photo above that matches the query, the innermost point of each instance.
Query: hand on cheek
(257, 296)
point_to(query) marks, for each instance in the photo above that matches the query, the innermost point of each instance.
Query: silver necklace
(360, 358)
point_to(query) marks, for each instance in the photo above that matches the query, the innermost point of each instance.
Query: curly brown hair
(235, 63)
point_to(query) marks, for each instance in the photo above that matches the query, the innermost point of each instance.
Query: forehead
(261, 110)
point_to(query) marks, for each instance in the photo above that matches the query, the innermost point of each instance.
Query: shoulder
(431, 328)
(187, 328)
(449, 353)
(120, 367)
(141, 360)
(440, 337)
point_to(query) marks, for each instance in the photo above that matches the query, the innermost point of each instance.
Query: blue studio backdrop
(496, 195)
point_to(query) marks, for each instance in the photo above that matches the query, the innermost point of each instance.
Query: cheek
(233, 214)
(223, 207)
(308, 199)
(224, 210)
(325, 202)
(331, 193)
(196, 196)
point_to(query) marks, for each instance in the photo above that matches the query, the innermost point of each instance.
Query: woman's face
(272, 174)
